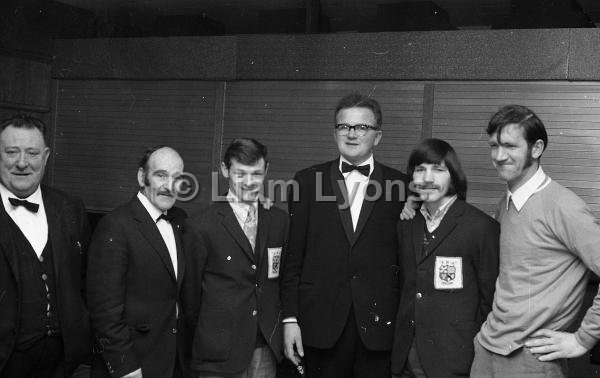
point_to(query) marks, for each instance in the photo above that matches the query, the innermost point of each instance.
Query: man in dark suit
(44, 325)
(237, 257)
(340, 285)
(449, 260)
(135, 271)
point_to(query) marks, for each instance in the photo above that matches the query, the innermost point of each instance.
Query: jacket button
(412, 323)
(419, 295)
(41, 258)
(174, 331)
(254, 312)
(44, 276)
(253, 267)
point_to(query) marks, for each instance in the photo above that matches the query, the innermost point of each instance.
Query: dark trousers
(44, 359)
(348, 358)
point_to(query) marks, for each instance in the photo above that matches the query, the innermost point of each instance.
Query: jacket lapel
(149, 230)
(341, 194)
(7, 243)
(56, 235)
(446, 226)
(367, 206)
(264, 223)
(418, 229)
(231, 224)
(180, 252)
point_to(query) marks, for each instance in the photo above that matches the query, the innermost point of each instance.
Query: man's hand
(410, 206)
(266, 202)
(550, 345)
(292, 338)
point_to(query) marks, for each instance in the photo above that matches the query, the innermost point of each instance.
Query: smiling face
(23, 157)
(157, 181)
(515, 161)
(356, 149)
(432, 182)
(245, 181)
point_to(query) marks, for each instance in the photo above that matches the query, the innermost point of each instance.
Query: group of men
(340, 286)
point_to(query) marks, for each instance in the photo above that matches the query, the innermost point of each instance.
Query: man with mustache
(449, 260)
(136, 269)
(236, 250)
(548, 241)
(44, 325)
(340, 284)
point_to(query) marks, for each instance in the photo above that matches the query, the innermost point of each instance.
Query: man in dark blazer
(449, 260)
(237, 255)
(340, 284)
(44, 325)
(135, 272)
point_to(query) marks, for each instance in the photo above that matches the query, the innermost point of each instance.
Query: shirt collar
(35, 197)
(240, 208)
(369, 161)
(536, 183)
(440, 212)
(149, 206)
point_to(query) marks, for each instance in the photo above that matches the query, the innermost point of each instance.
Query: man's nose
(499, 154)
(22, 161)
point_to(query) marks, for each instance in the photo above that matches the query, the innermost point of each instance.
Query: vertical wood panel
(103, 128)
(570, 111)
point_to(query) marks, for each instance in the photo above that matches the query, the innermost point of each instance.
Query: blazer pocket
(212, 341)
(142, 327)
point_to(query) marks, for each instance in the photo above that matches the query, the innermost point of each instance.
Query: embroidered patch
(448, 273)
(274, 262)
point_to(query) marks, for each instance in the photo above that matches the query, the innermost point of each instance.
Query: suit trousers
(262, 365)
(413, 367)
(44, 359)
(520, 363)
(348, 358)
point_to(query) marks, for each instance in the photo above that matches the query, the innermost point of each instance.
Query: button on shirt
(356, 184)
(164, 227)
(33, 225)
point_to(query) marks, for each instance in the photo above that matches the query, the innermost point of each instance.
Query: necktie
(33, 207)
(250, 225)
(364, 169)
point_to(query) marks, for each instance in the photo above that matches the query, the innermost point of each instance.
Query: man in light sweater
(548, 240)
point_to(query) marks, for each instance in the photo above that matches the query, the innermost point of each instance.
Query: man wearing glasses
(340, 284)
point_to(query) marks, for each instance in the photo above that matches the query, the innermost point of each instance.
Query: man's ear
(140, 177)
(537, 149)
(224, 170)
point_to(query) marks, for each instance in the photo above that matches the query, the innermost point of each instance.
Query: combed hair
(245, 151)
(357, 100)
(533, 127)
(26, 121)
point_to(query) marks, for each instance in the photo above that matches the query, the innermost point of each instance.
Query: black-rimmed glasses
(359, 129)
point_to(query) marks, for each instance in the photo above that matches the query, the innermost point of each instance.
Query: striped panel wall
(103, 128)
(570, 111)
(295, 120)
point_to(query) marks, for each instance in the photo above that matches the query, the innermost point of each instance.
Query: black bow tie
(33, 207)
(364, 169)
(169, 216)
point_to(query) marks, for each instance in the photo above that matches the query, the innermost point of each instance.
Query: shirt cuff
(291, 319)
(585, 339)
(133, 373)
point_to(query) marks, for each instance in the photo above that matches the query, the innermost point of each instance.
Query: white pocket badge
(274, 262)
(448, 274)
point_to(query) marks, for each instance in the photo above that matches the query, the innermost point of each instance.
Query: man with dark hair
(236, 251)
(340, 284)
(548, 240)
(449, 260)
(44, 327)
(135, 275)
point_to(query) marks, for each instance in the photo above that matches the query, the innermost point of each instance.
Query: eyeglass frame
(360, 129)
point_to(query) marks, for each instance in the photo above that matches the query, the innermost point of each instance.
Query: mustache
(426, 186)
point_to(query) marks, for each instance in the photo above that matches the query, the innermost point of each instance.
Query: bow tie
(33, 207)
(169, 216)
(364, 169)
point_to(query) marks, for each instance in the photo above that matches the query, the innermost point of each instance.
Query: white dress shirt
(164, 227)
(536, 183)
(356, 184)
(33, 225)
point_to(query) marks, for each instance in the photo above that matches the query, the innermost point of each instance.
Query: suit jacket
(330, 268)
(133, 292)
(68, 233)
(231, 295)
(444, 322)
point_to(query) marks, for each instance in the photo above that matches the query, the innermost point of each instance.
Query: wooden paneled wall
(103, 128)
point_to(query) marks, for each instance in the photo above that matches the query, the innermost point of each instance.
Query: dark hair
(246, 151)
(149, 151)
(357, 100)
(26, 121)
(434, 151)
(533, 127)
